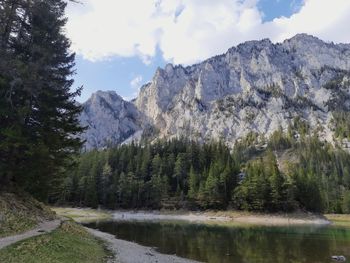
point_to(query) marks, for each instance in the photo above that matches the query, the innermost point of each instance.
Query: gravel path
(42, 228)
(129, 252)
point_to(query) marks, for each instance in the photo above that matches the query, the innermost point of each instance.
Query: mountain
(257, 87)
(109, 120)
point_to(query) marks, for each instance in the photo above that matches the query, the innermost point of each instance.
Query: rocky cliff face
(257, 86)
(109, 120)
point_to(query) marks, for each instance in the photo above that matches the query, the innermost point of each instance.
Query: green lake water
(235, 244)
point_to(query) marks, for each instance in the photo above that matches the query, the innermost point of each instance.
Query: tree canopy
(184, 174)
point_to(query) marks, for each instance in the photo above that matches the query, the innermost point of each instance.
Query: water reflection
(235, 244)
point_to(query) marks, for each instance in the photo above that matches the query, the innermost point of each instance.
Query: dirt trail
(129, 252)
(42, 228)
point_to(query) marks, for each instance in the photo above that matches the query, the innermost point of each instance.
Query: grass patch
(70, 243)
(339, 219)
(20, 212)
(82, 215)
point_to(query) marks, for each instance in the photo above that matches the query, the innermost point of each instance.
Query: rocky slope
(257, 86)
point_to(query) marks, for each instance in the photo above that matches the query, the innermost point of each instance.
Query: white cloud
(324, 19)
(192, 30)
(113, 27)
(136, 82)
(135, 85)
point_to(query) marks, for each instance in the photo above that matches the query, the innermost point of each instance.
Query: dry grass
(20, 212)
(339, 220)
(82, 215)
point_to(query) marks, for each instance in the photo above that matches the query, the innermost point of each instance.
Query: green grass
(70, 243)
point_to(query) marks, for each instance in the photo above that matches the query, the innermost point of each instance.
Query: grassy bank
(70, 243)
(339, 219)
(82, 215)
(20, 212)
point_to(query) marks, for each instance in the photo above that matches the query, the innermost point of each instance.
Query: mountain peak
(110, 120)
(305, 39)
(109, 94)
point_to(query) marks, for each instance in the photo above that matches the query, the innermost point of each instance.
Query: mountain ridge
(256, 86)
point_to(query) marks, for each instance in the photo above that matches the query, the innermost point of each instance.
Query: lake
(235, 244)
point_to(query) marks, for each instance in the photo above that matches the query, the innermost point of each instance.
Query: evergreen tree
(193, 183)
(38, 113)
(277, 182)
(212, 185)
(180, 172)
(164, 173)
(105, 182)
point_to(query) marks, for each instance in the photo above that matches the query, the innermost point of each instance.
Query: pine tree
(105, 183)
(277, 182)
(124, 190)
(193, 183)
(212, 184)
(180, 172)
(228, 181)
(91, 195)
(38, 113)
(156, 165)
(158, 190)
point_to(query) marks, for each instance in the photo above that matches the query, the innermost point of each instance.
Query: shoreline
(222, 217)
(86, 215)
(130, 252)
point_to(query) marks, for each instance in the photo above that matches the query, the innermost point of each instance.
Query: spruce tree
(38, 112)
(193, 182)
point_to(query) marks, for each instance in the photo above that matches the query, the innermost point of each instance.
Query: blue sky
(116, 74)
(121, 51)
(276, 8)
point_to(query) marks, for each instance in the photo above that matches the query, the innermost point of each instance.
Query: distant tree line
(256, 175)
(38, 113)
(132, 176)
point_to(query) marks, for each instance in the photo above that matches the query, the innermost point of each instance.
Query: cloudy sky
(120, 43)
